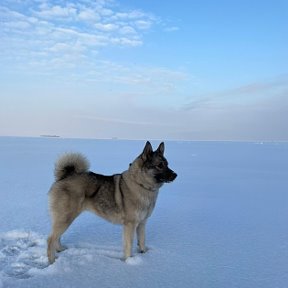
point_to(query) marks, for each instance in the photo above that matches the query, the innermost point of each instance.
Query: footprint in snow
(21, 252)
(23, 255)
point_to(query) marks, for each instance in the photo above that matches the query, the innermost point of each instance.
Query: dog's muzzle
(171, 176)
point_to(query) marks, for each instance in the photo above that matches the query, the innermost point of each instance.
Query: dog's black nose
(173, 176)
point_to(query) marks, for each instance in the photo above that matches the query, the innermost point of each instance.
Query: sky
(169, 70)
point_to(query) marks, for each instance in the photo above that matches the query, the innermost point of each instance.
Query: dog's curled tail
(70, 163)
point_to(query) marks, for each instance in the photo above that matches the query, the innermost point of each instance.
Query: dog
(127, 198)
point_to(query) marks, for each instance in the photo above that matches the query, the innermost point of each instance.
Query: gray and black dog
(127, 198)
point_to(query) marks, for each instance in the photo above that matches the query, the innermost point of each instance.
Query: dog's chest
(145, 204)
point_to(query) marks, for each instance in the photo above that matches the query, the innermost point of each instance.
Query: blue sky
(192, 70)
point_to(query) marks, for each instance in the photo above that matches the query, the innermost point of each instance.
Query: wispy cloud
(171, 29)
(66, 39)
(57, 28)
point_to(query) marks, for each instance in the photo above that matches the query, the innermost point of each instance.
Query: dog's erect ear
(147, 151)
(161, 149)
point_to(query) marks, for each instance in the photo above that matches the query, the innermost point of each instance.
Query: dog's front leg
(141, 237)
(129, 231)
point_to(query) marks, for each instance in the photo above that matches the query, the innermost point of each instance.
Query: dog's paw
(61, 248)
(142, 250)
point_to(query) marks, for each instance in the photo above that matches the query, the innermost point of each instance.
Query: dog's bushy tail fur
(70, 163)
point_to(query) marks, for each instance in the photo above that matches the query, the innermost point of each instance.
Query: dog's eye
(160, 166)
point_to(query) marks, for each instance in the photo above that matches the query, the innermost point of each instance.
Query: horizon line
(48, 136)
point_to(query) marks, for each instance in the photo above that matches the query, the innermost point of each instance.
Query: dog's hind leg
(58, 228)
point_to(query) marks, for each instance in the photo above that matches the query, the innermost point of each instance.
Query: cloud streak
(245, 95)
(256, 111)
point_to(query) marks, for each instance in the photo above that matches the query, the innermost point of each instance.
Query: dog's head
(154, 165)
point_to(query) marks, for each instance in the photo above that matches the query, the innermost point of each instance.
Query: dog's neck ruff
(147, 188)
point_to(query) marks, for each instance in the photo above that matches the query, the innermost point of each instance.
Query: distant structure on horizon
(50, 136)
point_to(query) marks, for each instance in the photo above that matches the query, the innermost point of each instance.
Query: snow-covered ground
(222, 223)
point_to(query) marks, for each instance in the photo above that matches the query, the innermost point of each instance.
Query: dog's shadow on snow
(88, 251)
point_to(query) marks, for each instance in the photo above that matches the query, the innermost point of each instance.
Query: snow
(222, 223)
